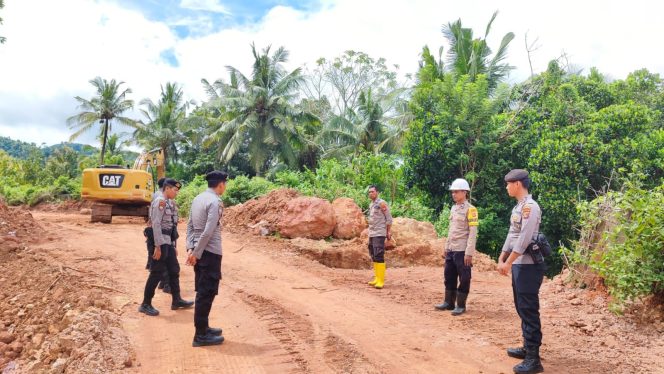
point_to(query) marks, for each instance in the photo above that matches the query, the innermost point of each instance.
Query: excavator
(120, 191)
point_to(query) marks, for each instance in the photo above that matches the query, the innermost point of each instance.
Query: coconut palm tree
(469, 56)
(378, 125)
(164, 119)
(258, 111)
(108, 105)
(2, 38)
(116, 143)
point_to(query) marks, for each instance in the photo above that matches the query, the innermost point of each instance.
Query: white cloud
(48, 60)
(207, 5)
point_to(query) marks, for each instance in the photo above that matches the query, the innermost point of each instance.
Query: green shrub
(238, 190)
(414, 208)
(622, 241)
(188, 192)
(242, 188)
(442, 223)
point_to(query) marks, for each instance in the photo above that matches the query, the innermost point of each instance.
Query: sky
(54, 48)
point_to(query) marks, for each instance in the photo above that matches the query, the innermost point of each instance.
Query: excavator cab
(119, 191)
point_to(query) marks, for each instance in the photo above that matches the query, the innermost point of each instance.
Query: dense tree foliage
(332, 129)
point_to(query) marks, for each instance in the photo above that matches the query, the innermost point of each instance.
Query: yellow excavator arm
(153, 159)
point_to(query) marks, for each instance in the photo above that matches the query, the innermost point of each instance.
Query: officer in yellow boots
(380, 222)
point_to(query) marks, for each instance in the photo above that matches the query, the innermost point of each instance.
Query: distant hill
(22, 150)
(17, 148)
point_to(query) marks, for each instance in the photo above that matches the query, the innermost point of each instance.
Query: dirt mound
(336, 254)
(70, 206)
(406, 231)
(350, 219)
(307, 217)
(483, 262)
(268, 208)
(51, 319)
(18, 226)
(410, 231)
(353, 254)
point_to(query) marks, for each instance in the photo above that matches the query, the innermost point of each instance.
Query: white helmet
(460, 184)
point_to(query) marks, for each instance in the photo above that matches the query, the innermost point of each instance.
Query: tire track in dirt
(307, 343)
(293, 332)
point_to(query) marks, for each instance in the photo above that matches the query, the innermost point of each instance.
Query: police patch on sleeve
(525, 213)
(162, 205)
(473, 218)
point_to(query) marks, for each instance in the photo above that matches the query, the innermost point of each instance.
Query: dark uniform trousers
(456, 269)
(168, 262)
(526, 282)
(149, 241)
(207, 275)
(377, 249)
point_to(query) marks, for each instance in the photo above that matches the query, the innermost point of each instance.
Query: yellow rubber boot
(375, 279)
(380, 275)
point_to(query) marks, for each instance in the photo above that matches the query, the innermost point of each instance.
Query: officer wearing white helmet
(459, 249)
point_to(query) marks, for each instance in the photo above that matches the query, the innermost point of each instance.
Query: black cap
(160, 182)
(216, 176)
(172, 182)
(516, 175)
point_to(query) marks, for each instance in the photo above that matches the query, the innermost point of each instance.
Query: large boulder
(342, 254)
(410, 231)
(407, 231)
(307, 217)
(349, 217)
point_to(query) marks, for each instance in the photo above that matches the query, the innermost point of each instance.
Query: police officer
(380, 223)
(204, 247)
(149, 236)
(527, 270)
(459, 249)
(164, 227)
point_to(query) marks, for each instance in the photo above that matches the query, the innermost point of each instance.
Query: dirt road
(283, 313)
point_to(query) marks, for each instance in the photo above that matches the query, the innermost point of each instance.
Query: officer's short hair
(215, 177)
(374, 187)
(170, 182)
(160, 183)
(526, 182)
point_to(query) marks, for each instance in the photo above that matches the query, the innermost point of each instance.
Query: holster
(535, 254)
(149, 236)
(172, 233)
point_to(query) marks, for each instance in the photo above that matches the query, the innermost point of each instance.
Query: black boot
(214, 331)
(531, 364)
(179, 303)
(167, 289)
(450, 296)
(202, 339)
(461, 304)
(148, 309)
(519, 352)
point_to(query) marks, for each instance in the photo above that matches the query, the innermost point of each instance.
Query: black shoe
(205, 340)
(531, 364)
(461, 304)
(517, 352)
(214, 331)
(148, 309)
(450, 296)
(181, 304)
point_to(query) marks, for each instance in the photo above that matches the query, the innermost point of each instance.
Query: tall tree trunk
(163, 149)
(103, 141)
